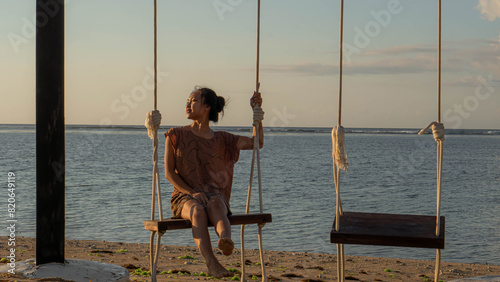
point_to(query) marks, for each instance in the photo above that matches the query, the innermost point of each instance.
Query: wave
(413, 131)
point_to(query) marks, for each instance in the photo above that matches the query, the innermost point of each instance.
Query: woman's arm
(174, 177)
(246, 143)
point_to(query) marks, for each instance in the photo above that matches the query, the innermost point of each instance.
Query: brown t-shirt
(206, 165)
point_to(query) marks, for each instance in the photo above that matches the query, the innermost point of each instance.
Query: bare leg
(197, 214)
(217, 214)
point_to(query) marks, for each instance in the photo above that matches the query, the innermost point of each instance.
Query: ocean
(108, 186)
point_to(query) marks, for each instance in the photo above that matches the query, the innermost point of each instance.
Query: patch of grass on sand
(233, 270)
(141, 272)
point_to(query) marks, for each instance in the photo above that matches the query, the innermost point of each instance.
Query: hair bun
(221, 102)
(216, 103)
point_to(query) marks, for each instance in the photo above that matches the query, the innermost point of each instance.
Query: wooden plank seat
(398, 230)
(235, 219)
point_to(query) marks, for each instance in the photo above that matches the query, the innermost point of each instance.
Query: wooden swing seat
(397, 230)
(235, 219)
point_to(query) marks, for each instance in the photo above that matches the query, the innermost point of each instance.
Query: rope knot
(437, 130)
(258, 114)
(338, 150)
(153, 121)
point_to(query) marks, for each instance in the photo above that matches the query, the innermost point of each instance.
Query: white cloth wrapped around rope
(338, 150)
(437, 130)
(153, 121)
(258, 114)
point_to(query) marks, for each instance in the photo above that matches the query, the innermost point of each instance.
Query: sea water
(109, 172)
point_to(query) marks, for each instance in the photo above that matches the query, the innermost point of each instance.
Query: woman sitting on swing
(199, 163)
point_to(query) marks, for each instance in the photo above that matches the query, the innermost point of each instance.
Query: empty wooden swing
(159, 226)
(399, 230)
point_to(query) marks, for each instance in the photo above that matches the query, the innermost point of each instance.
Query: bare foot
(226, 245)
(218, 271)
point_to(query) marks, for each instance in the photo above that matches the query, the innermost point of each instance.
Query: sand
(182, 263)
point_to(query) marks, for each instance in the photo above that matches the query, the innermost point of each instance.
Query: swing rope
(258, 116)
(438, 133)
(338, 152)
(339, 163)
(153, 122)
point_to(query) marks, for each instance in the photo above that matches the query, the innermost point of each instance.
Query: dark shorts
(178, 201)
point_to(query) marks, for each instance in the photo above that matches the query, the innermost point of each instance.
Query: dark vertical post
(50, 151)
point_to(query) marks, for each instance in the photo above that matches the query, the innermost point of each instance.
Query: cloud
(393, 66)
(416, 58)
(302, 69)
(383, 66)
(478, 82)
(473, 56)
(482, 59)
(401, 50)
(490, 9)
(469, 80)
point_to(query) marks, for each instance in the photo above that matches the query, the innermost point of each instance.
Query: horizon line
(236, 126)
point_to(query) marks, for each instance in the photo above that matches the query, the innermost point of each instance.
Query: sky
(389, 74)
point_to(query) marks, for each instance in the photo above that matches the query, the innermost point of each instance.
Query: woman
(199, 163)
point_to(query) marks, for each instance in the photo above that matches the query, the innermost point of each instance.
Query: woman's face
(195, 108)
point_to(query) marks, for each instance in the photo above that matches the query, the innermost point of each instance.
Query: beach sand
(284, 266)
